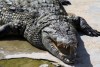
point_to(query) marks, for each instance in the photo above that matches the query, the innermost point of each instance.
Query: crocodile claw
(92, 32)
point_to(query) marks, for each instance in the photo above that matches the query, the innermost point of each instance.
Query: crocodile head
(60, 40)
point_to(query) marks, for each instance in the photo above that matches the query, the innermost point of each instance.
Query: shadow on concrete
(83, 58)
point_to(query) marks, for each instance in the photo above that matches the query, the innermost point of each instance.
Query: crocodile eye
(13, 9)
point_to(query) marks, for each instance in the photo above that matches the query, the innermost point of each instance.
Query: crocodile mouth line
(67, 52)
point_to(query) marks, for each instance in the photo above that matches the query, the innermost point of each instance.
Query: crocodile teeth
(66, 59)
(66, 47)
(61, 54)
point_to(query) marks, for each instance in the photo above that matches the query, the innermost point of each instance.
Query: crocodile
(46, 25)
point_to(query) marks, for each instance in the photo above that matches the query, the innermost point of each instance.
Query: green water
(23, 62)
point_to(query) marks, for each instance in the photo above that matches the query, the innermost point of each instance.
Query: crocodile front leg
(85, 28)
(81, 25)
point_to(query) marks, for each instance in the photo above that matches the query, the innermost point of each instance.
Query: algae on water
(24, 62)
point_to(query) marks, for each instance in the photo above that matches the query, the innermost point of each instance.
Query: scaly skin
(45, 24)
